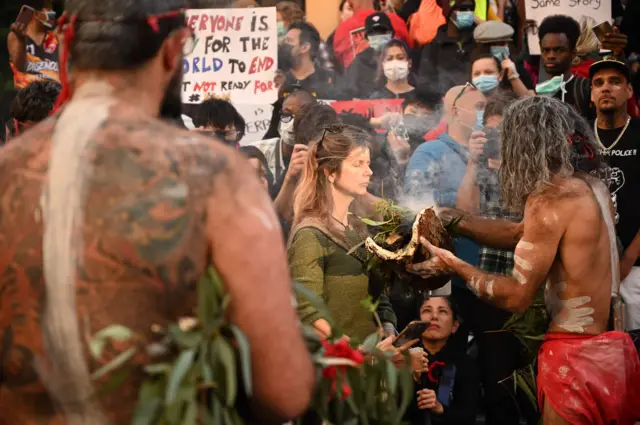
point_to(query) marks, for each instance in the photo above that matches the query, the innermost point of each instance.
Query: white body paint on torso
(572, 315)
(62, 202)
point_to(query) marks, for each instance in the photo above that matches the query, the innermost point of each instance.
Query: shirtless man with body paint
(109, 215)
(564, 244)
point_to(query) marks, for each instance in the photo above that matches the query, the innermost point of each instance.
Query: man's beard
(171, 107)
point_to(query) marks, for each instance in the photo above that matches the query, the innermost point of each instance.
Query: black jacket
(463, 401)
(445, 62)
(360, 79)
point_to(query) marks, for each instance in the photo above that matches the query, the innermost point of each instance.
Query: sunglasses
(466, 8)
(466, 86)
(333, 129)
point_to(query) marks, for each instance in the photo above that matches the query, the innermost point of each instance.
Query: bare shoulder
(557, 204)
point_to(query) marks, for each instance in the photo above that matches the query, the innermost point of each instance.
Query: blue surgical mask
(500, 52)
(479, 120)
(479, 125)
(464, 19)
(550, 87)
(378, 41)
(486, 83)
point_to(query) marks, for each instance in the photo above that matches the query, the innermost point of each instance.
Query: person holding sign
(32, 44)
(558, 39)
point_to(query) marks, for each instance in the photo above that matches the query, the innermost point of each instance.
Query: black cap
(609, 63)
(378, 22)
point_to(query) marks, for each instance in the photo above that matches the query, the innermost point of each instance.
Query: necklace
(355, 249)
(613, 145)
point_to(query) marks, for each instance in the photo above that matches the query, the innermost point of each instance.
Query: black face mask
(285, 57)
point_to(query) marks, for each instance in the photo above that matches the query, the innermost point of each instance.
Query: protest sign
(257, 120)
(368, 108)
(235, 56)
(537, 10)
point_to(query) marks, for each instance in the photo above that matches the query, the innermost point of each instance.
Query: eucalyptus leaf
(524, 386)
(116, 363)
(158, 369)
(392, 377)
(370, 343)
(189, 339)
(407, 393)
(245, 358)
(147, 412)
(191, 413)
(227, 358)
(216, 408)
(206, 300)
(173, 413)
(99, 340)
(374, 223)
(180, 369)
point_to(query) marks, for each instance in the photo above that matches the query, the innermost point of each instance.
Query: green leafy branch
(204, 356)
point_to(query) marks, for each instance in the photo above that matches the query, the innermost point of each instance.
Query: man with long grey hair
(111, 216)
(567, 241)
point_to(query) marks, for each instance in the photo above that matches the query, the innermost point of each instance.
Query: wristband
(514, 76)
(388, 327)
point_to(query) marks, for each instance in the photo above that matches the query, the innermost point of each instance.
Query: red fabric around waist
(590, 379)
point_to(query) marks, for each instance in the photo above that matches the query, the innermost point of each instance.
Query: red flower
(340, 350)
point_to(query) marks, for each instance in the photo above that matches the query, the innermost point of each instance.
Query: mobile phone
(492, 147)
(26, 15)
(414, 330)
(602, 30)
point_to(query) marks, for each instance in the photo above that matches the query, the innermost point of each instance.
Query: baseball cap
(378, 22)
(609, 63)
(449, 6)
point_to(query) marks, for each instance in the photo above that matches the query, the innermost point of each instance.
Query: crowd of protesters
(457, 71)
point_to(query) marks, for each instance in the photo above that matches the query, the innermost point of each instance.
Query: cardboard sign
(537, 10)
(368, 108)
(257, 120)
(235, 56)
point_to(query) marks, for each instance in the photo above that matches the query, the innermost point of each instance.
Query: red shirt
(349, 38)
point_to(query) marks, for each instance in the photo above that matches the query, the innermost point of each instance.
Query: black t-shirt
(320, 84)
(578, 95)
(624, 177)
(385, 93)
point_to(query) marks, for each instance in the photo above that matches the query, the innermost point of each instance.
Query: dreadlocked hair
(535, 147)
(114, 35)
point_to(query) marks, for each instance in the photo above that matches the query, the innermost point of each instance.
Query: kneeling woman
(448, 392)
(321, 245)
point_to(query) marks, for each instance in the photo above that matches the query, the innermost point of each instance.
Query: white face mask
(396, 70)
(286, 133)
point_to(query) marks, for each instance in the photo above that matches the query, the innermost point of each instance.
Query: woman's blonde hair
(313, 196)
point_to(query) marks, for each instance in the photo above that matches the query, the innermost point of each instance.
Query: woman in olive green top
(324, 233)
